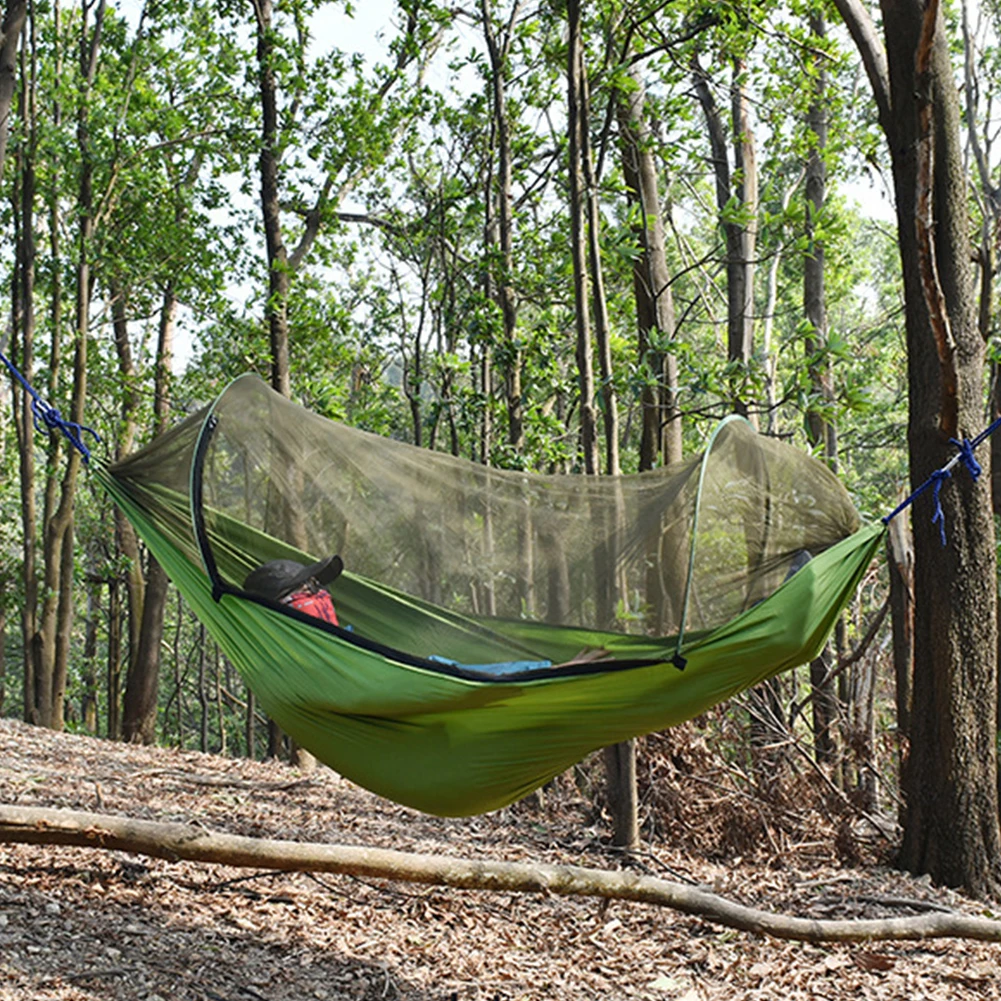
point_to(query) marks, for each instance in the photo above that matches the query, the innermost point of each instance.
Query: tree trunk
(114, 679)
(900, 559)
(985, 252)
(24, 323)
(56, 615)
(768, 350)
(276, 308)
(3, 647)
(14, 15)
(602, 326)
(821, 431)
(139, 712)
(739, 232)
(502, 284)
(135, 698)
(620, 764)
(250, 726)
(578, 244)
(125, 536)
(950, 777)
(742, 237)
(660, 437)
(661, 431)
(88, 696)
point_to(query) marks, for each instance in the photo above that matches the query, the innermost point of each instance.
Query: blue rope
(46, 416)
(934, 482)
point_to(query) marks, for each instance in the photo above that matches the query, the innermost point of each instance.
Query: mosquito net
(685, 548)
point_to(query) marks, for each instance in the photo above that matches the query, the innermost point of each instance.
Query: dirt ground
(87, 924)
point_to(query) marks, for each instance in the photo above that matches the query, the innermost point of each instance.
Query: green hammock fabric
(450, 743)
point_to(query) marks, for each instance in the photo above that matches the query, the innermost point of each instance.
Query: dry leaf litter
(82, 924)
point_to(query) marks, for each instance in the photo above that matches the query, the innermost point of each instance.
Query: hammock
(495, 626)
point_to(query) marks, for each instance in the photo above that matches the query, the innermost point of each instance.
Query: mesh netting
(632, 554)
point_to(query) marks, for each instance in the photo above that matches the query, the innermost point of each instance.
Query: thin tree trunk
(821, 431)
(578, 246)
(140, 707)
(503, 287)
(23, 322)
(114, 674)
(619, 759)
(14, 16)
(985, 253)
(203, 692)
(900, 558)
(741, 185)
(602, 325)
(3, 646)
(56, 615)
(661, 433)
(223, 741)
(250, 730)
(125, 535)
(739, 235)
(276, 308)
(88, 696)
(741, 259)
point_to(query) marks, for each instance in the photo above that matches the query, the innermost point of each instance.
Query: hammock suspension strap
(44, 415)
(964, 456)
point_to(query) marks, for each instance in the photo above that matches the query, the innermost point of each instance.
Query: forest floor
(82, 924)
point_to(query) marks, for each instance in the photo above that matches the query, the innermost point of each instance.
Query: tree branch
(173, 841)
(870, 47)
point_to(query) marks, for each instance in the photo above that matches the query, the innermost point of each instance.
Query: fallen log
(174, 841)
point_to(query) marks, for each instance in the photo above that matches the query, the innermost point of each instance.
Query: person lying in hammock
(293, 583)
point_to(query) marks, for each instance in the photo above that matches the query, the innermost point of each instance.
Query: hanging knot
(966, 456)
(934, 482)
(45, 416)
(967, 459)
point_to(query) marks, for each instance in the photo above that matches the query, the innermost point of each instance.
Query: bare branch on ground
(174, 841)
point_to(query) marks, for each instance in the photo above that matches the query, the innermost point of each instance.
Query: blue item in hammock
(500, 670)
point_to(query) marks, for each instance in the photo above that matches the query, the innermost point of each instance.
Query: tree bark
(24, 323)
(821, 430)
(14, 16)
(599, 301)
(139, 711)
(174, 841)
(279, 265)
(276, 308)
(3, 646)
(660, 438)
(53, 631)
(88, 695)
(742, 237)
(900, 558)
(114, 672)
(950, 776)
(739, 231)
(985, 253)
(578, 243)
(502, 283)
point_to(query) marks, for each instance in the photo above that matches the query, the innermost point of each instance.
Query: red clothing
(317, 603)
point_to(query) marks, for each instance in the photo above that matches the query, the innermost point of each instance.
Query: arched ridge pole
(678, 660)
